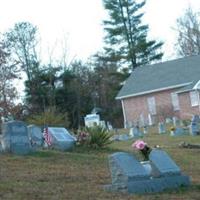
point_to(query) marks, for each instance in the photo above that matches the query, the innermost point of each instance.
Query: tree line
(63, 94)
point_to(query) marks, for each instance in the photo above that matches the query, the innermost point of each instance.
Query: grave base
(151, 185)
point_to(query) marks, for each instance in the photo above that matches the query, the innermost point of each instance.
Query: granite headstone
(194, 126)
(61, 138)
(179, 131)
(135, 132)
(162, 163)
(131, 176)
(36, 135)
(125, 168)
(15, 138)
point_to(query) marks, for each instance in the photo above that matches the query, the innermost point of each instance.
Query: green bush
(97, 137)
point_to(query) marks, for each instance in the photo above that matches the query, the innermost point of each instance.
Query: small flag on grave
(47, 136)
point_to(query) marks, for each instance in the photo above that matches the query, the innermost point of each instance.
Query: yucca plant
(98, 137)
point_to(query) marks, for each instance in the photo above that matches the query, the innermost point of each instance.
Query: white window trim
(151, 102)
(197, 85)
(194, 98)
(175, 101)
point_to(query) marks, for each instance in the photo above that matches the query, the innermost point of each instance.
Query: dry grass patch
(80, 174)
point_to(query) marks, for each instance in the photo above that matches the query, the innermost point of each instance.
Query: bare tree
(188, 28)
(8, 72)
(22, 42)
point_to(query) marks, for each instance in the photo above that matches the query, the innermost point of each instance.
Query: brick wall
(134, 107)
(186, 109)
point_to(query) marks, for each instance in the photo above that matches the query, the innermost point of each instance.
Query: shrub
(96, 137)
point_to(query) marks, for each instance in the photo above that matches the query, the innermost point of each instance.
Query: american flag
(47, 136)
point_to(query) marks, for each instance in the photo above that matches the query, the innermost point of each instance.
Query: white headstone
(150, 119)
(92, 120)
(168, 120)
(174, 119)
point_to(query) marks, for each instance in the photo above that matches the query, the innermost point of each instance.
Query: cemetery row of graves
(19, 138)
(124, 171)
(173, 127)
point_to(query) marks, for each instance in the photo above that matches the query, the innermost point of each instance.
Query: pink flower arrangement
(139, 144)
(82, 137)
(143, 148)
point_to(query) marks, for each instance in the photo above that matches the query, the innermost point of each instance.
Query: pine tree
(126, 37)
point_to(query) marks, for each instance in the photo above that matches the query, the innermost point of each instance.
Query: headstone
(168, 120)
(179, 131)
(1, 150)
(181, 123)
(194, 126)
(161, 128)
(145, 130)
(135, 132)
(124, 167)
(121, 137)
(15, 138)
(195, 118)
(115, 138)
(162, 164)
(150, 120)
(36, 136)
(124, 137)
(92, 120)
(109, 125)
(102, 123)
(174, 120)
(131, 176)
(130, 124)
(61, 138)
(126, 124)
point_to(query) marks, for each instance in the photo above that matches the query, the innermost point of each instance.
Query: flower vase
(172, 133)
(147, 166)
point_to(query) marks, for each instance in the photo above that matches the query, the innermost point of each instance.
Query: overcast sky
(79, 22)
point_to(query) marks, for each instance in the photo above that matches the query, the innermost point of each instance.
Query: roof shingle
(162, 75)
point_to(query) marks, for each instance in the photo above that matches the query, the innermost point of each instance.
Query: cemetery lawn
(82, 173)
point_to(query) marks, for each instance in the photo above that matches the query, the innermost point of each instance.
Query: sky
(76, 25)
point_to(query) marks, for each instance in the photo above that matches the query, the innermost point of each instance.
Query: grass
(81, 173)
